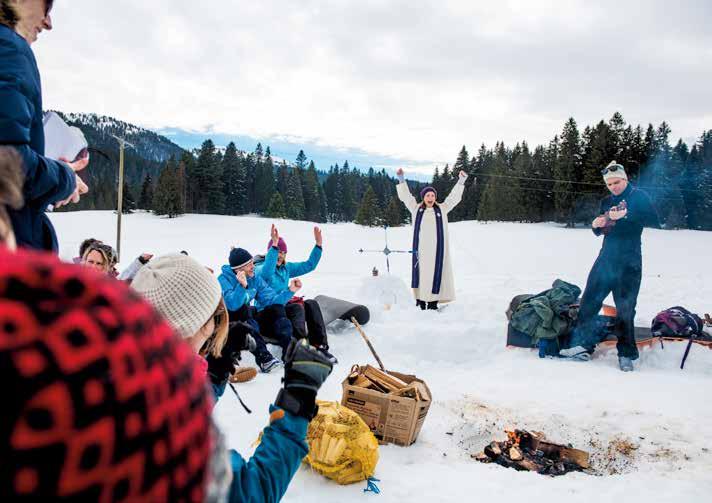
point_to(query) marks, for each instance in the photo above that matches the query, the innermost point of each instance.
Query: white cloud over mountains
(412, 80)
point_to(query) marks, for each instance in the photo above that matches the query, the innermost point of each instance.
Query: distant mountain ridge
(99, 129)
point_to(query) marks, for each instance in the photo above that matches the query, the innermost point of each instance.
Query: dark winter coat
(623, 239)
(46, 180)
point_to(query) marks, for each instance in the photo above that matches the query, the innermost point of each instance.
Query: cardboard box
(391, 418)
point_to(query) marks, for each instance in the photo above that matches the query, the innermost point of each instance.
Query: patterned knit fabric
(102, 402)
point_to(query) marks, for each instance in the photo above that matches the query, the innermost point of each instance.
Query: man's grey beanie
(181, 289)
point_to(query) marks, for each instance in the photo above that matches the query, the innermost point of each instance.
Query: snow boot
(626, 364)
(420, 304)
(269, 365)
(433, 305)
(577, 353)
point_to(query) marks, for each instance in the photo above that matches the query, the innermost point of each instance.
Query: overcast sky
(411, 80)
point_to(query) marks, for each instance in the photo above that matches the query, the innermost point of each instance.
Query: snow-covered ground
(650, 431)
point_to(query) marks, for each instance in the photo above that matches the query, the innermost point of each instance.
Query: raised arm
(300, 268)
(455, 195)
(404, 192)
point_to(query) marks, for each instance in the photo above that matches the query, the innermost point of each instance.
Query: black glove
(305, 370)
(220, 368)
(239, 338)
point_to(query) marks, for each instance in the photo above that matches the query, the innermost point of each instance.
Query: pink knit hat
(280, 244)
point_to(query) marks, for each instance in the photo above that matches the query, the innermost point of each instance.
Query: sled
(333, 309)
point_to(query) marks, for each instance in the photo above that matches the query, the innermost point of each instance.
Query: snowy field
(650, 431)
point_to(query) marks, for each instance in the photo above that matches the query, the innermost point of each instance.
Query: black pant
(247, 314)
(307, 322)
(275, 326)
(620, 276)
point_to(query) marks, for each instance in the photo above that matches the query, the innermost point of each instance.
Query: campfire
(527, 451)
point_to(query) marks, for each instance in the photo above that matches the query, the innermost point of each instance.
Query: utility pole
(120, 205)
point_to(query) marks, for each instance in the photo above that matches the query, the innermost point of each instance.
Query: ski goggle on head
(612, 169)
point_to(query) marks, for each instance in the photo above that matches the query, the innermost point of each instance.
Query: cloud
(411, 81)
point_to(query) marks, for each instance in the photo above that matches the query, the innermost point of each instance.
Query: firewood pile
(525, 451)
(372, 378)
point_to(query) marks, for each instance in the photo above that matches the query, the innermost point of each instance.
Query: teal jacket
(277, 277)
(236, 295)
(267, 474)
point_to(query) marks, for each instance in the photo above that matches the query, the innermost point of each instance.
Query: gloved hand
(239, 338)
(220, 368)
(305, 370)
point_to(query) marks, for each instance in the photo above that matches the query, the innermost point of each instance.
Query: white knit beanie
(618, 173)
(181, 289)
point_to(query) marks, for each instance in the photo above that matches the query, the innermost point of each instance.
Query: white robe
(427, 245)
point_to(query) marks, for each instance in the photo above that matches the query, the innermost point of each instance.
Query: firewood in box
(387, 381)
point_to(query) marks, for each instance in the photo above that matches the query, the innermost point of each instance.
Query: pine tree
(369, 213)
(233, 182)
(393, 216)
(323, 206)
(264, 182)
(567, 168)
(496, 197)
(168, 197)
(208, 182)
(295, 198)
(333, 195)
(145, 200)
(312, 202)
(128, 203)
(276, 207)
(461, 164)
(301, 161)
(282, 179)
(347, 193)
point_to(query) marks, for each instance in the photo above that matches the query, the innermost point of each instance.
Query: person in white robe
(431, 279)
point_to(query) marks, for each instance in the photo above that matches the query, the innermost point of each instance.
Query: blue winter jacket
(46, 180)
(257, 289)
(278, 276)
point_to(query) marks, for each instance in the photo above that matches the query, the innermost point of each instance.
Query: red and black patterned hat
(102, 401)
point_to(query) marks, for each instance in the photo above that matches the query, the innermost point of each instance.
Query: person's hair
(215, 344)
(11, 181)
(105, 251)
(8, 14)
(86, 244)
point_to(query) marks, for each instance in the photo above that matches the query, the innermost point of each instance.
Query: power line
(649, 187)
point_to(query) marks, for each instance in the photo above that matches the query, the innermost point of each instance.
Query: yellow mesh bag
(341, 446)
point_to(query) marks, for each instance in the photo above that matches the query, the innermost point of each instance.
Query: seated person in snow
(304, 314)
(240, 286)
